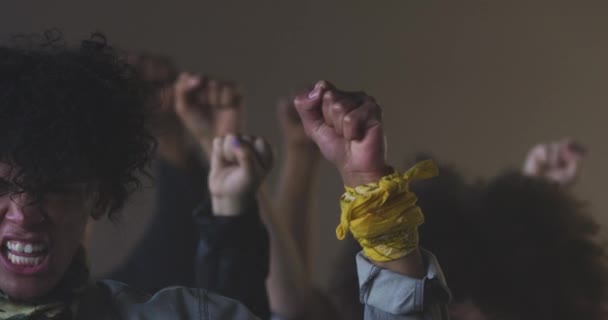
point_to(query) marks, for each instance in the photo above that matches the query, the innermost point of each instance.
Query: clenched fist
(557, 161)
(208, 107)
(239, 165)
(347, 127)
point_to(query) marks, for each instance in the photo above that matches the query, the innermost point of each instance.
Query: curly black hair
(543, 258)
(72, 114)
(518, 247)
(449, 230)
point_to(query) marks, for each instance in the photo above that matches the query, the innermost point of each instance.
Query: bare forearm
(287, 282)
(295, 199)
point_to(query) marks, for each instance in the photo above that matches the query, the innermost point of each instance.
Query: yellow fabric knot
(383, 216)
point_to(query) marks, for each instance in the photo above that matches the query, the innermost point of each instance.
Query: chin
(24, 288)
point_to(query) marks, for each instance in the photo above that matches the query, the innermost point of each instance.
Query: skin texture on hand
(239, 165)
(294, 134)
(347, 128)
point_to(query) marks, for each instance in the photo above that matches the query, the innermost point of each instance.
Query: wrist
(411, 265)
(232, 205)
(356, 178)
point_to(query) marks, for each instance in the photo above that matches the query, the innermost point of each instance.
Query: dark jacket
(111, 300)
(233, 256)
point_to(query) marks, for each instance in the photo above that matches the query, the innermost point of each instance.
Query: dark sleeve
(233, 257)
(165, 255)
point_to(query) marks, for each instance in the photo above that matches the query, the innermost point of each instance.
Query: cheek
(69, 213)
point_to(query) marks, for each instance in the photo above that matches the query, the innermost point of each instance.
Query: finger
(572, 150)
(555, 160)
(339, 109)
(217, 160)
(309, 107)
(536, 159)
(577, 148)
(329, 98)
(230, 96)
(183, 88)
(287, 111)
(246, 157)
(187, 81)
(358, 120)
(180, 83)
(264, 152)
(230, 142)
(199, 90)
(180, 88)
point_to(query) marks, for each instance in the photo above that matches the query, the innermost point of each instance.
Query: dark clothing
(227, 255)
(110, 300)
(233, 257)
(165, 254)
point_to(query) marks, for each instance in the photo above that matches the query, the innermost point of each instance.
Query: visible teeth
(32, 261)
(24, 247)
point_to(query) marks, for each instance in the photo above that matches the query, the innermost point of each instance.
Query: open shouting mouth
(26, 257)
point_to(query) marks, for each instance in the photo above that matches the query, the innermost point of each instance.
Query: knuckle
(348, 119)
(339, 106)
(329, 95)
(323, 84)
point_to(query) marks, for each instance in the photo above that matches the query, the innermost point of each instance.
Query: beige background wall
(474, 82)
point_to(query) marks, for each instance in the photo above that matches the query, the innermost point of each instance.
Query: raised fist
(207, 107)
(347, 127)
(239, 165)
(556, 161)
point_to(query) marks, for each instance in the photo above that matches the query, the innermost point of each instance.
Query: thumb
(250, 161)
(244, 154)
(309, 106)
(536, 160)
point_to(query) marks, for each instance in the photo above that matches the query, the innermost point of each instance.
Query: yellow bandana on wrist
(383, 216)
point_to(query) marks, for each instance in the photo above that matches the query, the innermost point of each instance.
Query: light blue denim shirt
(391, 296)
